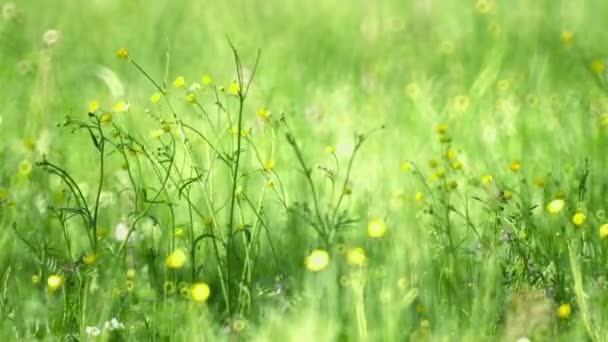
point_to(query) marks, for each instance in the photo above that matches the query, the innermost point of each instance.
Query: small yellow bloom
(515, 166)
(567, 37)
(556, 206)
(129, 285)
(36, 279)
(25, 168)
(176, 259)
(179, 82)
(564, 311)
(330, 150)
(90, 259)
(131, 273)
(179, 233)
(442, 128)
(406, 166)
(598, 66)
(157, 133)
(376, 228)
(457, 165)
(539, 182)
(200, 292)
(245, 132)
(121, 107)
(263, 114)
(451, 154)
(54, 282)
(578, 219)
(234, 89)
(207, 80)
(356, 257)
(419, 197)
(317, 260)
(603, 231)
(122, 53)
(191, 98)
(93, 106)
(29, 144)
(269, 165)
(155, 98)
(106, 117)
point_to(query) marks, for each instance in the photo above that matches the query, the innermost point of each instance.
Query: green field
(315, 170)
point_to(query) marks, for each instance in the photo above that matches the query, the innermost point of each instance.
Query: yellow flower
(442, 128)
(484, 6)
(179, 82)
(121, 107)
(157, 133)
(356, 257)
(539, 182)
(330, 150)
(176, 259)
(567, 37)
(106, 117)
(564, 311)
(556, 206)
(207, 80)
(129, 285)
(317, 260)
(131, 273)
(35, 279)
(457, 165)
(122, 53)
(29, 144)
(451, 154)
(603, 231)
(191, 98)
(461, 103)
(93, 106)
(90, 259)
(419, 197)
(269, 165)
(598, 66)
(234, 89)
(25, 168)
(376, 228)
(54, 282)
(578, 219)
(406, 166)
(263, 114)
(515, 166)
(507, 195)
(155, 98)
(200, 292)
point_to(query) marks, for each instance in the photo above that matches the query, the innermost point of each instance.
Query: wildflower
(113, 325)
(90, 259)
(121, 107)
(263, 114)
(598, 66)
(29, 144)
(564, 311)
(155, 98)
(578, 219)
(234, 89)
(484, 6)
(191, 98)
(567, 37)
(419, 197)
(461, 103)
(539, 182)
(179, 82)
(442, 128)
(35, 279)
(347, 190)
(54, 282)
(433, 163)
(106, 117)
(603, 231)
(406, 166)
(92, 331)
(245, 132)
(507, 195)
(451, 185)
(412, 90)
(51, 37)
(93, 106)
(121, 232)
(207, 80)
(129, 285)
(515, 166)
(200, 292)
(25, 168)
(184, 290)
(122, 53)
(356, 257)
(330, 150)
(269, 165)
(317, 260)
(176, 259)
(376, 228)
(555, 206)
(457, 165)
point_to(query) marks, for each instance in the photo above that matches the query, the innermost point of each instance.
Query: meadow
(319, 170)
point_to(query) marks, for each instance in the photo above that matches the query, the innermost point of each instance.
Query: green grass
(371, 105)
